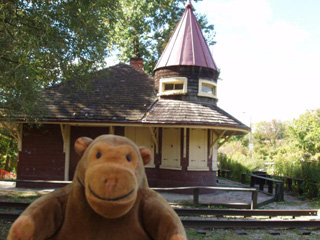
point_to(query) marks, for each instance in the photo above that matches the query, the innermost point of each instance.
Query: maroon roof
(187, 45)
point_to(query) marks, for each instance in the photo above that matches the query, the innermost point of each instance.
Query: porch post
(65, 131)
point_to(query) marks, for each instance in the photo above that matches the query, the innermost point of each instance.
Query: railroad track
(202, 218)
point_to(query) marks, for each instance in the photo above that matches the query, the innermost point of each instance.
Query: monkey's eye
(128, 158)
(98, 155)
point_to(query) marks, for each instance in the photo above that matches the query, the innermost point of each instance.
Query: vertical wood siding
(42, 154)
(76, 132)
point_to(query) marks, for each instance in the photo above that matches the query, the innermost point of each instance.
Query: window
(171, 149)
(207, 89)
(171, 86)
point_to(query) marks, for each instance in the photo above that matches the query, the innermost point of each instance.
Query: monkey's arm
(160, 220)
(42, 218)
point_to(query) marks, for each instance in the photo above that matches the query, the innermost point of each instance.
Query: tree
(43, 42)
(306, 131)
(146, 26)
(269, 132)
(8, 156)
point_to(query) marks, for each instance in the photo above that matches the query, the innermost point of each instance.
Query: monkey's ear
(146, 155)
(81, 144)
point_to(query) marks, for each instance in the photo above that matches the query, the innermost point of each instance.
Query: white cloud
(263, 66)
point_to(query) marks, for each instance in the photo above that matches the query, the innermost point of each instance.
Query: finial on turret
(189, 4)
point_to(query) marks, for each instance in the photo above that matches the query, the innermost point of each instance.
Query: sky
(268, 53)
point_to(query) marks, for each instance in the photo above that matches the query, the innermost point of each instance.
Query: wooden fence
(196, 192)
(271, 183)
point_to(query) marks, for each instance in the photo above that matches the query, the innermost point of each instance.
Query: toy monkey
(109, 198)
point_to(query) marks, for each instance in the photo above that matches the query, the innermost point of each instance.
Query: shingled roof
(188, 113)
(123, 94)
(120, 92)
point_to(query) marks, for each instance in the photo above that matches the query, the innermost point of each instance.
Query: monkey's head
(111, 170)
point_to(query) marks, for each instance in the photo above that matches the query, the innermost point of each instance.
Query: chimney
(137, 63)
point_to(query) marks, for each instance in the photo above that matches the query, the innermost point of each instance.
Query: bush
(8, 151)
(311, 184)
(234, 166)
(287, 161)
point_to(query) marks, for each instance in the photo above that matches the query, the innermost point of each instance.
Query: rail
(203, 211)
(249, 224)
(245, 212)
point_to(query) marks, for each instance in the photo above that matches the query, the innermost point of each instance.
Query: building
(175, 114)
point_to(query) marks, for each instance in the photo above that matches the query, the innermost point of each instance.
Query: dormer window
(172, 86)
(207, 89)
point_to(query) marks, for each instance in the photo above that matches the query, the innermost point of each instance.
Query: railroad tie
(240, 231)
(304, 231)
(274, 232)
(202, 231)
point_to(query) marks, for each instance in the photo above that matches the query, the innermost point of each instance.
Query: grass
(15, 196)
(4, 229)
(19, 196)
(316, 203)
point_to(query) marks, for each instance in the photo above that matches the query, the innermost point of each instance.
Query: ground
(9, 193)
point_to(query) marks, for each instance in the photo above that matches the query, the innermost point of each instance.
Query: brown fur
(109, 198)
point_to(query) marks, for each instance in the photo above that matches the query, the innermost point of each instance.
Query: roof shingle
(182, 112)
(116, 93)
(124, 94)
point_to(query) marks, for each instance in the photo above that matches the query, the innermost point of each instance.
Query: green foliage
(269, 132)
(311, 176)
(45, 42)
(286, 161)
(236, 167)
(306, 131)
(145, 27)
(267, 138)
(8, 151)
(235, 156)
(289, 149)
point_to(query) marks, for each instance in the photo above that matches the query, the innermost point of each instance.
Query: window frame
(211, 84)
(174, 81)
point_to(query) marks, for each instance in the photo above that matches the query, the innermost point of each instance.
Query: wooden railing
(224, 173)
(290, 182)
(278, 185)
(196, 192)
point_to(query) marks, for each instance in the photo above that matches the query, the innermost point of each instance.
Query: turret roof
(187, 45)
